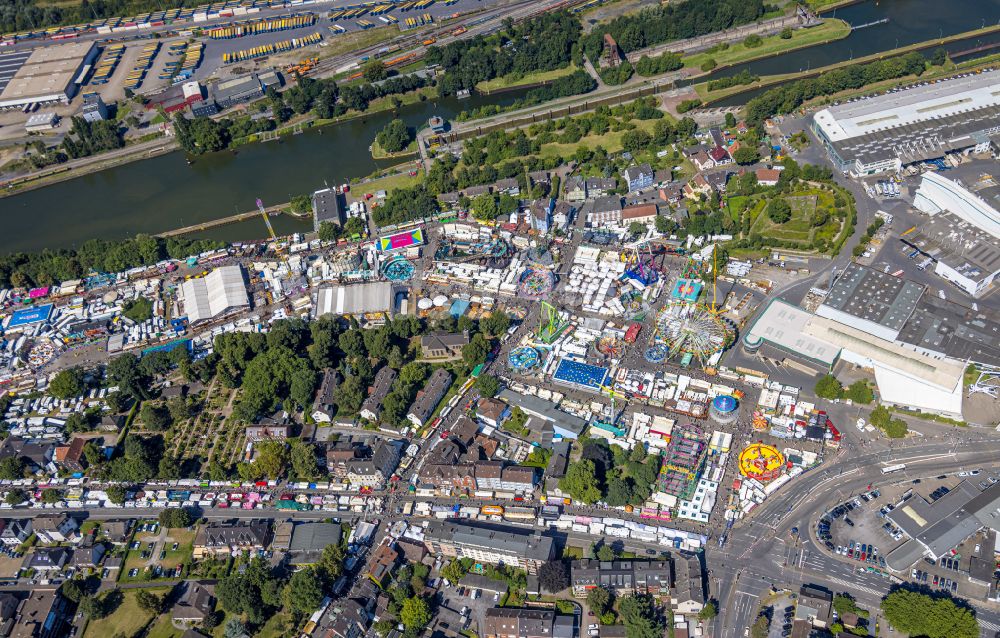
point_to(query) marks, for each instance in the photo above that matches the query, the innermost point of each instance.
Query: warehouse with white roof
(49, 75)
(354, 299)
(219, 292)
(885, 132)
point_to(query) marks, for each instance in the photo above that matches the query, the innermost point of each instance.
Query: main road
(763, 551)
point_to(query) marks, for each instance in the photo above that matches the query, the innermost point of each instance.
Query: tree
(51, 495)
(779, 211)
(234, 628)
(880, 417)
(155, 417)
(753, 41)
(581, 483)
(375, 71)
(92, 607)
(918, 614)
(454, 571)
(12, 468)
(896, 429)
(303, 459)
(73, 590)
(395, 137)
(328, 231)
(176, 517)
(598, 600)
(786, 33)
(116, 494)
(148, 601)
(304, 591)
(746, 154)
(415, 613)
(829, 388)
(138, 310)
(67, 383)
(605, 552)
(709, 611)
(637, 228)
(496, 324)
(730, 119)
(484, 207)
(331, 561)
(859, 392)
(488, 385)
(553, 576)
(760, 627)
(474, 352)
(16, 496)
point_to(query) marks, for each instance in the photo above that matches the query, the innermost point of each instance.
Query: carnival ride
(724, 409)
(398, 269)
(761, 462)
(692, 329)
(524, 358)
(551, 324)
(494, 253)
(611, 346)
(535, 282)
(656, 353)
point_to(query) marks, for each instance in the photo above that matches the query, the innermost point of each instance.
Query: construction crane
(267, 220)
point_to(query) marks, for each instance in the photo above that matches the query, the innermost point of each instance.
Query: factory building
(927, 121)
(244, 88)
(217, 293)
(49, 75)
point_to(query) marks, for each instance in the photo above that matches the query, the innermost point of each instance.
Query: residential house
(43, 614)
(540, 214)
(509, 622)
(473, 192)
(492, 412)
(382, 562)
(443, 345)
(428, 398)
(814, 606)
(306, 541)
(621, 577)
(371, 409)
(111, 423)
(638, 177)
(325, 405)
(717, 180)
(57, 528)
(517, 478)
(508, 186)
(328, 207)
(607, 210)
(8, 610)
(672, 193)
(702, 161)
(575, 189)
(116, 532)
(412, 551)
(224, 537)
(562, 214)
(376, 471)
(88, 557)
(36, 455)
(48, 559)
(15, 531)
(642, 213)
(442, 477)
(72, 458)
(767, 176)
(349, 619)
(663, 176)
(600, 187)
(489, 475)
(195, 605)
(539, 178)
(341, 453)
(449, 199)
(720, 156)
(696, 187)
(559, 461)
(688, 593)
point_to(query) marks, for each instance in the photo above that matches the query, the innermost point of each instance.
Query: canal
(165, 192)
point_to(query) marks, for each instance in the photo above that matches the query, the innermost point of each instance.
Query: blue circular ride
(523, 358)
(724, 403)
(656, 353)
(398, 269)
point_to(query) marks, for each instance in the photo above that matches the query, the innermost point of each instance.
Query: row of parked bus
(412, 23)
(270, 49)
(261, 26)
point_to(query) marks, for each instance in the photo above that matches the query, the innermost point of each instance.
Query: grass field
(799, 228)
(513, 80)
(610, 141)
(126, 620)
(390, 183)
(174, 558)
(831, 29)
(347, 42)
(379, 154)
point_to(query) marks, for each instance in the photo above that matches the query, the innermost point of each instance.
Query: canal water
(165, 192)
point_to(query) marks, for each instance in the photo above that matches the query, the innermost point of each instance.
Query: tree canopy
(919, 614)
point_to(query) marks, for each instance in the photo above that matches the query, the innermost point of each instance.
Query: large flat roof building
(219, 292)
(524, 549)
(871, 300)
(328, 206)
(354, 299)
(938, 193)
(782, 325)
(885, 132)
(48, 75)
(963, 254)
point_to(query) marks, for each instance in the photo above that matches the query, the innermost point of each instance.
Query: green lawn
(379, 154)
(388, 184)
(127, 619)
(799, 228)
(163, 628)
(514, 79)
(173, 558)
(831, 29)
(610, 141)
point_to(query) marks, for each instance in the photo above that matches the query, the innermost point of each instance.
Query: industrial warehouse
(48, 75)
(886, 132)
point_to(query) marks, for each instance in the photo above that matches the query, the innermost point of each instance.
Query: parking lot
(855, 530)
